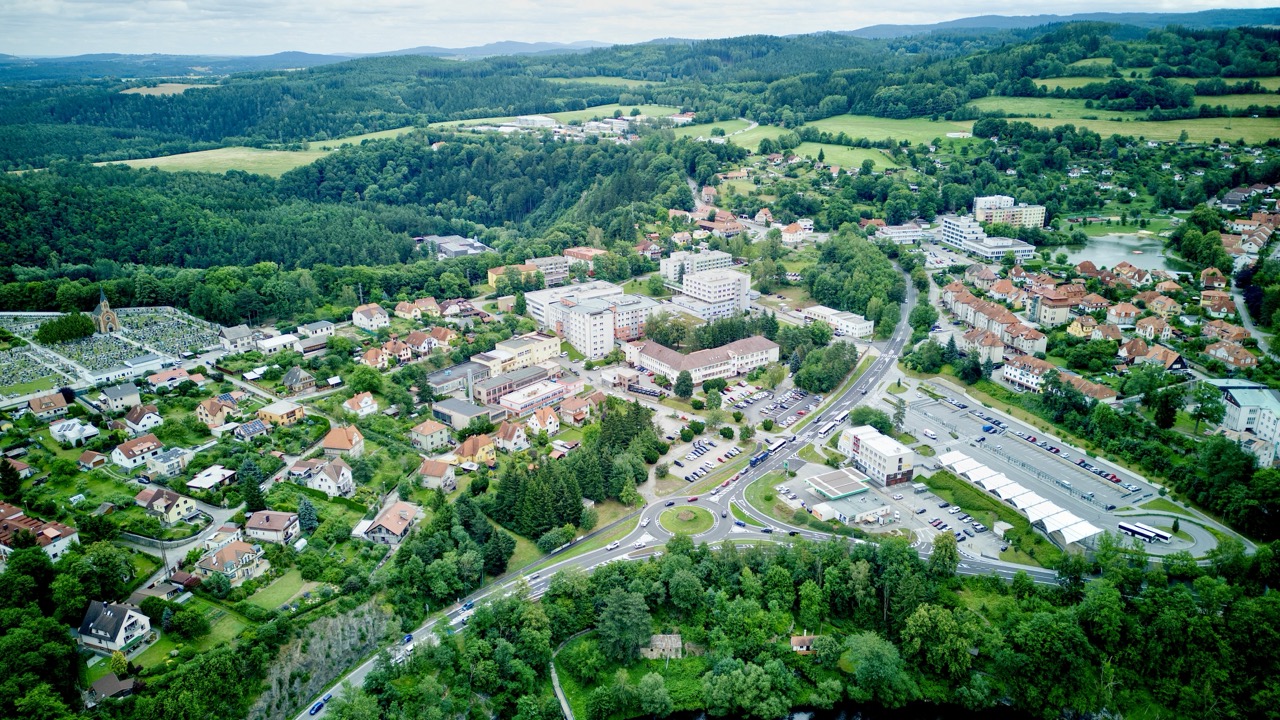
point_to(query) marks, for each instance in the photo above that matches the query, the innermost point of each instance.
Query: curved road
(649, 533)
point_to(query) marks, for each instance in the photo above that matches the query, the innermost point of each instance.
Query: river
(1111, 250)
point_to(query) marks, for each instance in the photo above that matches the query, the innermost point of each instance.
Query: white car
(612, 546)
(644, 522)
(639, 544)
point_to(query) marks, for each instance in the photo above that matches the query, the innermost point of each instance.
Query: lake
(1111, 250)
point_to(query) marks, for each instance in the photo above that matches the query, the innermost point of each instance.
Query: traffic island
(686, 520)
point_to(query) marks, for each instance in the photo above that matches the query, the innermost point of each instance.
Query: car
(468, 605)
(766, 530)
(327, 697)
(612, 546)
(408, 639)
(739, 523)
(317, 707)
(677, 463)
(564, 354)
(919, 511)
(999, 447)
(898, 496)
(1003, 547)
(144, 480)
(670, 503)
(792, 533)
(944, 504)
(638, 544)
(693, 499)
(711, 443)
(802, 413)
(724, 513)
(968, 532)
(644, 522)
(1031, 439)
(1081, 463)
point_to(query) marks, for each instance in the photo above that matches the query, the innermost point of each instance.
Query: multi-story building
(519, 352)
(539, 395)
(109, 627)
(1050, 308)
(487, 392)
(119, 398)
(718, 293)
(843, 323)
(452, 246)
(1003, 209)
(736, 358)
(522, 272)
(682, 264)
(901, 234)
(137, 451)
(271, 526)
(53, 537)
(1027, 371)
(586, 255)
(554, 269)
(593, 325)
(885, 461)
(539, 301)
(459, 377)
(965, 234)
(457, 414)
(429, 435)
(1250, 407)
(370, 317)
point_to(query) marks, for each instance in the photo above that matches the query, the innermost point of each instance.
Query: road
(649, 533)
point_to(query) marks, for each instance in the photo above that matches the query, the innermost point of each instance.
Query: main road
(648, 534)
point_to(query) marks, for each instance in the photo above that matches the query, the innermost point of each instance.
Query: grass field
(357, 139)
(687, 520)
(161, 89)
(729, 126)
(751, 138)
(603, 80)
(917, 130)
(845, 157)
(280, 591)
(739, 514)
(1075, 81)
(252, 160)
(26, 387)
(1236, 102)
(1164, 505)
(604, 111)
(1109, 122)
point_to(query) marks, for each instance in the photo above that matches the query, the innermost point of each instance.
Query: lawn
(917, 130)
(279, 592)
(762, 496)
(225, 626)
(526, 552)
(687, 520)
(1164, 505)
(252, 160)
(640, 287)
(729, 127)
(586, 546)
(751, 138)
(845, 157)
(44, 383)
(809, 453)
(739, 514)
(573, 352)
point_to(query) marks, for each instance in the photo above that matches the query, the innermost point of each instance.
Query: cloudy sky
(250, 27)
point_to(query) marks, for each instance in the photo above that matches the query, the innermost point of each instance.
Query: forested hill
(1216, 19)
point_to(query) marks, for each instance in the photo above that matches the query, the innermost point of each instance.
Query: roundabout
(688, 520)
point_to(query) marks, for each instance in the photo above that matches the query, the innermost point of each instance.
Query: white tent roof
(1035, 513)
(1057, 522)
(1004, 492)
(979, 473)
(1080, 531)
(951, 458)
(1026, 500)
(965, 466)
(995, 481)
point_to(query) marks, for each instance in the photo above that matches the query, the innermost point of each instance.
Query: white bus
(1156, 533)
(841, 417)
(1137, 530)
(776, 445)
(825, 430)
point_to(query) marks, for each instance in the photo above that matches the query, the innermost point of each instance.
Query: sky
(259, 27)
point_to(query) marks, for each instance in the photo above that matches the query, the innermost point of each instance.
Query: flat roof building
(884, 460)
(838, 484)
(721, 293)
(843, 323)
(682, 264)
(539, 300)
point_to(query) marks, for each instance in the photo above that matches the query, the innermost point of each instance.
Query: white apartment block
(965, 234)
(736, 358)
(1003, 209)
(691, 263)
(539, 300)
(885, 461)
(719, 293)
(519, 352)
(554, 269)
(843, 323)
(593, 325)
(901, 234)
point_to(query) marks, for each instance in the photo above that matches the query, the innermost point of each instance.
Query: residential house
(90, 460)
(1018, 274)
(47, 407)
(575, 411)
(1153, 328)
(428, 306)
(1212, 279)
(111, 627)
(344, 441)
(270, 526)
(24, 470)
(1107, 332)
(214, 412)
(429, 435)
(1027, 372)
(1218, 307)
(1166, 358)
(1122, 315)
(393, 524)
(166, 505)
(135, 452)
(370, 317)
(544, 420)
(442, 337)
(320, 328)
(142, 418)
(1164, 306)
(478, 449)
(1210, 297)
(73, 432)
(709, 194)
(238, 561)
(1231, 354)
(211, 477)
(408, 311)
(1096, 391)
(1168, 286)
(649, 249)
(169, 462)
(803, 644)
(980, 276)
(511, 437)
(420, 342)
(245, 432)
(1133, 274)
(298, 380)
(1223, 330)
(393, 348)
(362, 404)
(168, 379)
(764, 217)
(436, 474)
(331, 476)
(1132, 350)
(1093, 302)
(237, 339)
(109, 687)
(1082, 327)
(274, 344)
(53, 537)
(375, 358)
(282, 412)
(986, 345)
(119, 398)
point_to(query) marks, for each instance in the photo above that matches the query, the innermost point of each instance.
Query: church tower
(105, 319)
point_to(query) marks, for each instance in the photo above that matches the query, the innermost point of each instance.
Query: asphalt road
(648, 530)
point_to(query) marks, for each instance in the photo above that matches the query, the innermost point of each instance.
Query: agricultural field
(729, 127)
(1239, 102)
(1251, 130)
(751, 138)
(845, 157)
(917, 130)
(603, 80)
(357, 139)
(252, 160)
(161, 89)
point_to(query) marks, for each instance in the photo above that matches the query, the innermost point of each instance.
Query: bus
(841, 417)
(1136, 530)
(761, 457)
(776, 445)
(825, 430)
(1157, 533)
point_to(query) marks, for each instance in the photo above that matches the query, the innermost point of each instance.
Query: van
(930, 434)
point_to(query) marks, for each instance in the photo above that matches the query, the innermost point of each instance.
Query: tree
(1209, 406)
(653, 696)
(684, 385)
(935, 633)
(969, 370)
(119, 664)
(950, 353)
(945, 557)
(307, 519)
(251, 486)
(774, 373)
(1165, 403)
(364, 379)
(624, 625)
(726, 433)
(899, 414)
(10, 482)
(714, 400)
(520, 306)
(876, 418)
(216, 585)
(813, 604)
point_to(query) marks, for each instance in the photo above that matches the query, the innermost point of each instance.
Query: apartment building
(539, 301)
(843, 323)
(593, 325)
(554, 269)
(885, 461)
(736, 358)
(904, 234)
(487, 392)
(683, 264)
(965, 234)
(716, 294)
(1027, 371)
(1003, 209)
(519, 352)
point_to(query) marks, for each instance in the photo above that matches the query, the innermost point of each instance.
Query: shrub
(726, 433)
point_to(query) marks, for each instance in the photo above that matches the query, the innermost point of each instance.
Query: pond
(1144, 251)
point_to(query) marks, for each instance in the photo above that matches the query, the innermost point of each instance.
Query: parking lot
(787, 409)
(703, 457)
(938, 256)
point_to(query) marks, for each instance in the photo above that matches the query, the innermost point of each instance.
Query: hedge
(972, 499)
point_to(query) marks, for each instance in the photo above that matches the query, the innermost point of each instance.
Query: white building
(901, 234)
(119, 398)
(320, 328)
(684, 263)
(593, 325)
(1027, 371)
(73, 432)
(554, 269)
(534, 121)
(370, 317)
(843, 323)
(539, 300)
(1003, 209)
(108, 627)
(885, 461)
(736, 358)
(273, 345)
(965, 234)
(719, 293)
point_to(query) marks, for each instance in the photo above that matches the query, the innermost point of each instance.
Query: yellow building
(519, 352)
(281, 412)
(478, 449)
(527, 272)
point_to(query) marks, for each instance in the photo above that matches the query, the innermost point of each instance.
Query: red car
(693, 499)
(1115, 478)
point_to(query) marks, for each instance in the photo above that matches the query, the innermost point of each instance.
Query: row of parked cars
(969, 528)
(746, 402)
